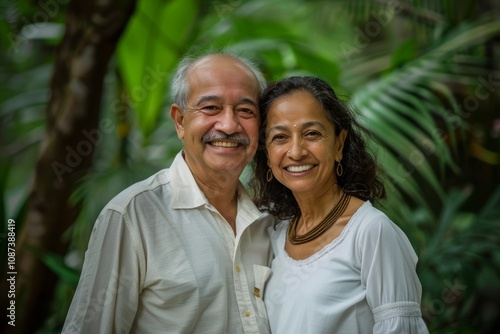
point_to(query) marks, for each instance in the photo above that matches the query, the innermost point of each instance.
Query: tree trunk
(92, 31)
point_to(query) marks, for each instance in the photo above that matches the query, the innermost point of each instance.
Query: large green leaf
(150, 48)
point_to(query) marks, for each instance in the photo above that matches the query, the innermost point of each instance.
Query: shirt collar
(247, 212)
(187, 194)
(246, 207)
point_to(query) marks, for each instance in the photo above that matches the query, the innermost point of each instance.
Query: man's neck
(222, 193)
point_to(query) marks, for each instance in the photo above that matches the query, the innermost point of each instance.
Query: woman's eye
(312, 134)
(278, 137)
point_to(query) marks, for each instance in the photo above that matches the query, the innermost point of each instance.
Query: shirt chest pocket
(261, 274)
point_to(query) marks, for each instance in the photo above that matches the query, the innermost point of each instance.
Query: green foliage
(461, 262)
(149, 49)
(57, 265)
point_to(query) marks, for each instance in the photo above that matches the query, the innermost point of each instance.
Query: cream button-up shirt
(161, 259)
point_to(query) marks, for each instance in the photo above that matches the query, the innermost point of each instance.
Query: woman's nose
(297, 150)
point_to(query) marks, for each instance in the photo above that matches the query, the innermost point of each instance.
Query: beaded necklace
(337, 210)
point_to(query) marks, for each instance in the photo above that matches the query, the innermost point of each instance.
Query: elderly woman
(341, 265)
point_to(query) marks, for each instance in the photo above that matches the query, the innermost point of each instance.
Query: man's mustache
(220, 136)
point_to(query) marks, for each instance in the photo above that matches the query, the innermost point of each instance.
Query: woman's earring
(339, 170)
(269, 175)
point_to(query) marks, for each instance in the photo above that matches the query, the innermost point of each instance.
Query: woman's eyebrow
(313, 123)
(278, 127)
(305, 125)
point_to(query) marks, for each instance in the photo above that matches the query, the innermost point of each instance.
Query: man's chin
(227, 166)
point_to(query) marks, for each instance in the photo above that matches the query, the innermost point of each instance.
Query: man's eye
(210, 108)
(246, 112)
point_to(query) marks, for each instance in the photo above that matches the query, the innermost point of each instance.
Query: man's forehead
(208, 62)
(218, 71)
(214, 58)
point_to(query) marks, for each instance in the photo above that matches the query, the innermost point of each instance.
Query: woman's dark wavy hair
(361, 177)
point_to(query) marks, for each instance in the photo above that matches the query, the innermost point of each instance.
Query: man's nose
(228, 121)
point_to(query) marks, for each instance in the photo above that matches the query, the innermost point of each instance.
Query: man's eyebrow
(215, 98)
(207, 98)
(249, 101)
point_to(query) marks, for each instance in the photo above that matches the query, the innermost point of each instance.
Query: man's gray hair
(179, 86)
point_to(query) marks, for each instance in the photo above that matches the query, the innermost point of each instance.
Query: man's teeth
(302, 168)
(224, 144)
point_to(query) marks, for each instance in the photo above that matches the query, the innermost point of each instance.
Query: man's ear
(178, 117)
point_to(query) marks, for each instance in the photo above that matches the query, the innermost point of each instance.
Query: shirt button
(237, 269)
(247, 313)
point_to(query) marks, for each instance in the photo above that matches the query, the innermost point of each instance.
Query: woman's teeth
(297, 169)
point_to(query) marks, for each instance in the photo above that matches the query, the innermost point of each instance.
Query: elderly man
(186, 251)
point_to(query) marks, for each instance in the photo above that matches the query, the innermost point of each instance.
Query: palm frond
(403, 108)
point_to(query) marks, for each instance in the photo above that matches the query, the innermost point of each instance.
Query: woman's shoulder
(369, 219)
(375, 227)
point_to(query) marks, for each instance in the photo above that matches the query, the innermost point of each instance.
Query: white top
(161, 259)
(364, 281)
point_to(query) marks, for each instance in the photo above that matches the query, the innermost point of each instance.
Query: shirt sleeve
(107, 296)
(393, 289)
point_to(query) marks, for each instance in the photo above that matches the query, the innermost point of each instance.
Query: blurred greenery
(423, 75)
